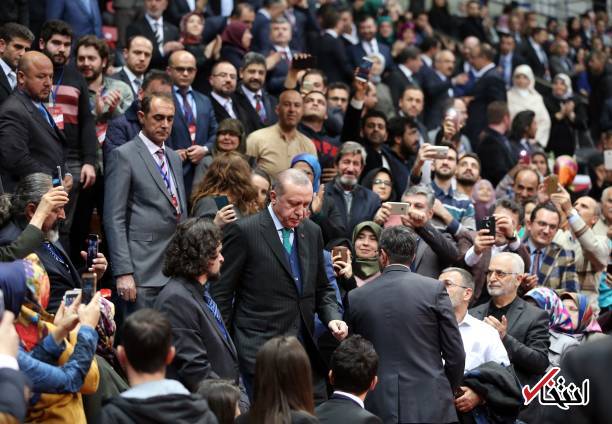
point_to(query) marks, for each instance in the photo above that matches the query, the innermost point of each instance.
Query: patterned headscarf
(558, 318)
(587, 323)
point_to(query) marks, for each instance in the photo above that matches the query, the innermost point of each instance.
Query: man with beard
(313, 127)
(274, 147)
(137, 56)
(204, 348)
(411, 104)
(15, 40)
(250, 95)
(468, 173)
(525, 187)
(69, 106)
(404, 142)
(63, 275)
(355, 202)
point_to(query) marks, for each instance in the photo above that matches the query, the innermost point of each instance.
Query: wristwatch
(513, 238)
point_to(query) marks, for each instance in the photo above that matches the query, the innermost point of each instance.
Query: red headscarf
(232, 34)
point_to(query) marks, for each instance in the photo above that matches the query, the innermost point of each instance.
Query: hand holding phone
(365, 67)
(89, 286)
(92, 249)
(58, 177)
(552, 184)
(341, 251)
(487, 223)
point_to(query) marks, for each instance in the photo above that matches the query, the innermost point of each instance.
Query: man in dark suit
(203, 346)
(281, 35)
(163, 35)
(535, 53)
(494, 145)
(408, 64)
(251, 95)
(523, 328)
(332, 57)
(271, 10)
(15, 39)
(195, 126)
(353, 375)
(144, 200)
(177, 9)
(368, 44)
(137, 55)
(414, 385)
(32, 142)
(273, 279)
(508, 58)
(489, 86)
(83, 16)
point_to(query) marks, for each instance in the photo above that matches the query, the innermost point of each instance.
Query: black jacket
(499, 158)
(12, 386)
(142, 27)
(363, 208)
(343, 410)
(176, 409)
(5, 87)
(333, 60)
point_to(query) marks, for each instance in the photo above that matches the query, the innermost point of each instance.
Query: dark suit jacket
(202, 351)
(297, 417)
(82, 19)
(333, 59)
(356, 53)
(5, 87)
(275, 78)
(176, 10)
(413, 383)
(261, 34)
(499, 159)
(142, 27)
(123, 76)
(527, 338)
(23, 245)
(435, 251)
(206, 131)
(121, 129)
(29, 144)
(214, 26)
(343, 410)
(539, 69)
(436, 93)
(243, 115)
(397, 82)
(363, 208)
(488, 88)
(269, 104)
(256, 292)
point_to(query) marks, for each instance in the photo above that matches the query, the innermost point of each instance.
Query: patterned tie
(228, 107)
(163, 170)
(259, 108)
(57, 255)
(188, 111)
(536, 262)
(136, 83)
(12, 79)
(287, 239)
(214, 309)
(159, 36)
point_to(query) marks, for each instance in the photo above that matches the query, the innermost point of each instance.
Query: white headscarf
(526, 71)
(568, 83)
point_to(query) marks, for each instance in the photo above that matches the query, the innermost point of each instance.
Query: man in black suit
(508, 58)
(215, 25)
(273, 279)
(494, 146)
(177, 9)
(332, 57)
(409, 63)
(281, 35)
(224, 80)
(535, 53)
(137, 55)
(353, 375)
(163, 35)
(489, 86)
(414, 384)
(203, 346)
(271, 10)
(251, 95)
(368, 44)
(523, 328)
(31, 141)
(15, 39)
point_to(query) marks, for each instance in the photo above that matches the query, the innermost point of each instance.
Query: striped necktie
(163, 170)
(214, 309)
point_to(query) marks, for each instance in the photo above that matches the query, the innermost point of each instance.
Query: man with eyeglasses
(522, 328)
(195, 125)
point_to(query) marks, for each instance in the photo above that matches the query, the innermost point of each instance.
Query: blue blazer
(206, 130)
(356, 53)
(261, 34)
(83, 20)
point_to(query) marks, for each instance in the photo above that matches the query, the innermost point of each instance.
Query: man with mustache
(251, 94)
(468, 173)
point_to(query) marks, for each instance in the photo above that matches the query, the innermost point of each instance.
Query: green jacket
(25, 244)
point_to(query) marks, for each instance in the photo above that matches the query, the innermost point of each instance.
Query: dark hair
(219, 62)
(53, 27)
(511, 205)
(147, 339)
(192, 247)
(11, 30)
(397, 126)
(145, 105)
(338, 85)
(222, 397)
(156, 75)
(497, 111)
(314, 71)
(549, 206)
(239, 9)
(429, 43)
(487, 51)
(128, 45)
(521, 122)
(354, 364)
(411, 87)
(522, 170)
(373, 113)
(329, 16)
(253, 58)
(408, 53)
(283, 381)
(470, 155)
(98, 44)
(399, 242)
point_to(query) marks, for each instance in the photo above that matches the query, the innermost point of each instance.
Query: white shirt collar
(405, 70)
(350, 396)
(426, 60)
(281, 48)
(250, 94)
(265, 13)
(277, 223)
(5, 67)
(331, 32)
(131, 75)
(222, 100)
(480, 73)
(151, 147)
(152, 20)
(441, 75)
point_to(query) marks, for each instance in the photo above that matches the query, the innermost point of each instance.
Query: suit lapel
(421, 247)
(199, 112)
(4, 82)
(270, 235)
(152, 168)
(303, 253)
(545, 268)
(51, 129)
(514, 313)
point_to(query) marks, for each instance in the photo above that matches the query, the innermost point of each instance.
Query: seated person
(222, 397)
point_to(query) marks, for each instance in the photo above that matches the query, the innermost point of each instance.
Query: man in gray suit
(144, 200)
(410, 321)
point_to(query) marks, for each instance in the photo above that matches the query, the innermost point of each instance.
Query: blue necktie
(45, 113)
(214, 309)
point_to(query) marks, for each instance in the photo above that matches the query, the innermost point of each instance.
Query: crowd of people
(302, 211)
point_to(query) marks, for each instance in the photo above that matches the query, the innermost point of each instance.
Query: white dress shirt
(481, 343)
(471, 258)
(226, 103)
(153, 148)
(370, 47)
(350, 396)
(286, 50)
(406, 71)
(279, 226)
(11, 76)
(154, 24)
(190, 99)
(251, 96)
(135, 81)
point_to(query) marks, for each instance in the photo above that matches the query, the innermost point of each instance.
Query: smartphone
(441, 151)
(363, 72)
(89, 287)
(524, 157)
(453, 115)
(92, 249)
(342, 251)
(70, 295)
(57, 178)
(487, 223)
(552, 184)
(308, 62)
(221, 201)
(608, 160)
(398, 208)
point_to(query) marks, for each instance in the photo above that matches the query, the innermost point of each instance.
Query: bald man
(31, 140)
(195, 124)
(590, 249)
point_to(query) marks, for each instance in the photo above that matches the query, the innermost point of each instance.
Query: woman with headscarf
(236, 43)
(383, 93)
(58, 360)
(323, 210)
(568, 116)
(192, 27)
(523, 96)
(386, 33)
(380, 181)
(366, 237)
(483, 196)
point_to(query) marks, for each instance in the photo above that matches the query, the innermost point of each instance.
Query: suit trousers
(145, 298)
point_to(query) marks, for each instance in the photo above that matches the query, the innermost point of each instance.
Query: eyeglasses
(182, 70)
(226, 75)
(383, 182)
(500, 274)
(449, 283)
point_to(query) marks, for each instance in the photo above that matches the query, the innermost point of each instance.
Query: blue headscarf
(314, 165)
(13, 285)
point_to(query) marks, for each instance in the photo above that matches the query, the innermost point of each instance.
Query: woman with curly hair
(226, 192)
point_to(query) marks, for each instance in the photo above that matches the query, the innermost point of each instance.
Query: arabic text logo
(552, 390)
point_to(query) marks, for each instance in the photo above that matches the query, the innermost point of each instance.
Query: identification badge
(192, 133)
(57, 115)
(101, 132)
